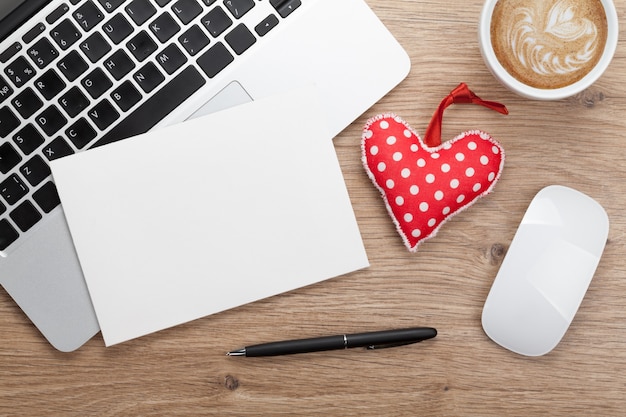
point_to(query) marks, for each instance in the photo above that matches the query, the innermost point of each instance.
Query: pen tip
(239, 352)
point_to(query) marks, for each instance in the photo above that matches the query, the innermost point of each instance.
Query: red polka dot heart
(425, 183)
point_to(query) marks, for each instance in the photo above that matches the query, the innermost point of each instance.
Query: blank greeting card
(200, 217)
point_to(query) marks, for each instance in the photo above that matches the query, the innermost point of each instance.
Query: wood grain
(578, 142)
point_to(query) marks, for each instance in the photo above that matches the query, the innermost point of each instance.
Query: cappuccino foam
(548, 44)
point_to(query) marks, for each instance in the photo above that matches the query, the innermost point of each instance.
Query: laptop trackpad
(231, 95)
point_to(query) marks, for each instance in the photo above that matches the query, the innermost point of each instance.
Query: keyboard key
(49, 84)
(148, 77)
(27, 103)
(96, 83)
(240, 39)
(47, 197)
(140, 11)
(103, 114)
(215, 60)
(208, 2)
(110, 5)
(5, 90)
(285, 7)
(42, 53)
(13, 189)
(72, 65)
(10, 52)
(2, 209)
(164, 27)
(216, 21)
(266, 25)
(171, 59)
(58, 148)
(73, 101)
(118, 28)
(238, 8)
(186, 10)
(51, 120)
(95, 47)
(8, 122)
(19, 71)
(33, 33)
(126, 96)
(57, 14)
(8, 234)
(119, 64)
(35, 170)
(65, 34)
(162, 2)
(194, 40)
(28, 139)
(88, 16)
(81, 133)
(159, 105)
(25, 216)
(9, 157)
(141, 46)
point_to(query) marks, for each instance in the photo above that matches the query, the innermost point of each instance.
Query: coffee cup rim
(527, 91)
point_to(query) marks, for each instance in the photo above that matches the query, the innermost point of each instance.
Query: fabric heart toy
(425, 183)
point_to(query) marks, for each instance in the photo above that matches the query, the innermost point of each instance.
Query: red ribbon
(460, 95)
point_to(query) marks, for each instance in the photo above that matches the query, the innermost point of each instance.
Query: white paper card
(210, 214)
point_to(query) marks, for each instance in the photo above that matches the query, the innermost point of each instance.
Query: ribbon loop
(460, 95)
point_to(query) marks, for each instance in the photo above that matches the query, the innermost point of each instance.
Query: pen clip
(390, 345)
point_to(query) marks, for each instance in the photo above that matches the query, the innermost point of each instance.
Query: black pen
(371, 340)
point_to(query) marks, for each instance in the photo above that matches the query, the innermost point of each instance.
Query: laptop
(78, 74)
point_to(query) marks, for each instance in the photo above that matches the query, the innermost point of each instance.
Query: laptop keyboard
(94, 72)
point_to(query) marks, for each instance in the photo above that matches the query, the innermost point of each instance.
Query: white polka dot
(495, 150)
(477, 187)
(430, 178)
(397, 156)
(434, 155)
(381, 167)
(390, 184)
(424, 207)
(469, 172)
(432, 222)
(374, 150)
(484, 160)
(491, 176)
(472, 146)
(391, 140)
(400, 200)
(384, 124)
(408, 217)
(368, 134)
(445, 168)
(447, 145)
(454, 183)
(416, 233)
(407, 133)
(460, 198)
(414, 190)
(421, 163)
(406, 173)
(414, 148)
(439, 195)
(446, 211)
(459, 157)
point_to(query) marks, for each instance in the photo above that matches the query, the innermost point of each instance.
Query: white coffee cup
(525, 90)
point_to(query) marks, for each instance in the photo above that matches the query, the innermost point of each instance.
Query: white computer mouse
(546, 271)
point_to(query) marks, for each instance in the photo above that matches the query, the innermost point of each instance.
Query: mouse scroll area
(546, 271)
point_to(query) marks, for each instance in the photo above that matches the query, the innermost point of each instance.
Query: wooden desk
(578, 142)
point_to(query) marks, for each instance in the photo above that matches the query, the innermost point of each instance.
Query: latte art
(548, 43)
